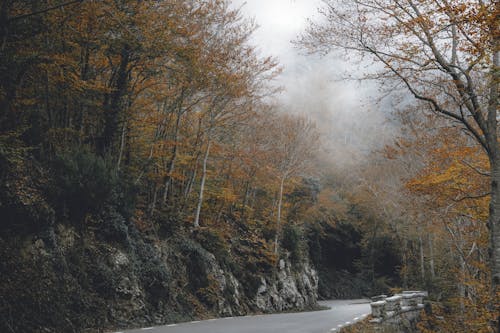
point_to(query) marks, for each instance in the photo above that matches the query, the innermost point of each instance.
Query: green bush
(83, 182)
(292, 242)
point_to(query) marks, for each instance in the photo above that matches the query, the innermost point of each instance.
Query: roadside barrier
(385, 308)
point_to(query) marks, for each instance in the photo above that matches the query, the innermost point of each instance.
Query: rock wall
(290, 290)
(92, 284)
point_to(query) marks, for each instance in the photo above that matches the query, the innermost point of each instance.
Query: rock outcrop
(89, 283)
(291, 289)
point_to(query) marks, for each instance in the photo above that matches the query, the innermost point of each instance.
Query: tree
(452, 191)
(446, 53)
(295, 142)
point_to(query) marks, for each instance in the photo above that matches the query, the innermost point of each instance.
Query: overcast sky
(345, 111)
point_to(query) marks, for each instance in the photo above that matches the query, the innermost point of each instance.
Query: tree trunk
(494, 217)
(171, 166)
(494, 156)
(122, 146)
(189, 186)
(173, 158)
(278, 217)
(4, 25)
(113, 104)
(494, 223)
(192, 177)
(405, 264)
(422, 259)
(461, 287)
(431, 257)
(245, 200)
(202, 185)
(152, 206)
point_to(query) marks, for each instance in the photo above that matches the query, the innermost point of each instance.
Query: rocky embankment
(63, 280)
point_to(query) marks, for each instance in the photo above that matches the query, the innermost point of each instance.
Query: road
(342, 312)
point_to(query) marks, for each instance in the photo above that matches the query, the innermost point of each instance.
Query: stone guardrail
(384, 307)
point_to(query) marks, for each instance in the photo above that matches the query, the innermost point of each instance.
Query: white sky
(280, 21)
(313, 85)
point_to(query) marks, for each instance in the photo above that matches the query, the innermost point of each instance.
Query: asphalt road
(342, 313)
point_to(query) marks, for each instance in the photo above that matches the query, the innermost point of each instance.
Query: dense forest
(148, 174)
(440, 60)
(140, 155)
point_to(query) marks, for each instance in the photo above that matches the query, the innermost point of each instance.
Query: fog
(349, 113)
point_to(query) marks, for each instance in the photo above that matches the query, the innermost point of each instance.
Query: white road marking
(340, 325)
(171, 325)
(228, 318)
(348, 323)
(147, 328)
(333, 330)
(195, 321)
(356, 318)
(212, 319)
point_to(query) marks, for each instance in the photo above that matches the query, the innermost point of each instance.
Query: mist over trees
(445, 54)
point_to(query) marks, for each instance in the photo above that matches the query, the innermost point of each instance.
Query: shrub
(209, 295)
(292, 242)
(83, 183)
(213, 242)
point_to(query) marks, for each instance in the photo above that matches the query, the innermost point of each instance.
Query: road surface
(342, 313)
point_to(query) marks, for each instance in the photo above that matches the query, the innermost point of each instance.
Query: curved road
(341, 313)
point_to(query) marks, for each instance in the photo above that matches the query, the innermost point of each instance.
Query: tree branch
(21, 17)
(432, 101)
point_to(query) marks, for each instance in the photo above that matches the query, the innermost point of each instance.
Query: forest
(149, 175)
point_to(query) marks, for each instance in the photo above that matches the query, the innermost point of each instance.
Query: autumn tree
(445, 53)
(126, 120)
(294, 143)
(452, 191)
